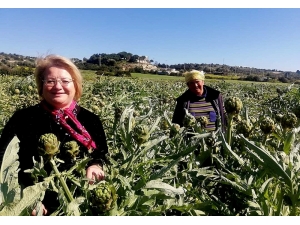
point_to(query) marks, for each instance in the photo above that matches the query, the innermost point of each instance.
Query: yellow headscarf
(194, 75)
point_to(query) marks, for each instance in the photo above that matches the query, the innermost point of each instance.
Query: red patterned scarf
(63, 115)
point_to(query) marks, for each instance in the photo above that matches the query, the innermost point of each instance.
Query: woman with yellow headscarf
(200, 101)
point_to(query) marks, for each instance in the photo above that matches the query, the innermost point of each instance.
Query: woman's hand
(94, 173)
(33, 213)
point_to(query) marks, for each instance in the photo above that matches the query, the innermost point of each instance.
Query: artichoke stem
(62, 181)
(264, 141)
(229, 129)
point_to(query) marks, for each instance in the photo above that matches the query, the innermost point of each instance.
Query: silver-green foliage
(16, 201)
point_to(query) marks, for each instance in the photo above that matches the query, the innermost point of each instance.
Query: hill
(113, 64)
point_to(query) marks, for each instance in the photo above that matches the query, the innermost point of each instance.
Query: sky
(257, 35)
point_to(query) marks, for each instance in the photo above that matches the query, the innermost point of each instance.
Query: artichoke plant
(141, 133)
(244, 127)
(118, 112)
(48, 145)
(267, 125)
(289, 120)
(233, 105)
(104, 196)
(203, 120)
(164, 125)
(189, 120)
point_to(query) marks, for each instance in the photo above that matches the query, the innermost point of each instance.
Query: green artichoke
(233, 105)
(72, 148)
(267, 125)
(203, 120)
(118, 111)
(104, 196)
(48, 145)
(164, 125)
(141, 133)
(289, 120)
(244, 127)
(189, 120)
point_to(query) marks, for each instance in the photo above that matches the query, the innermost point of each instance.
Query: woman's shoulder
(84, 112)
(185, 96)
(30, 110)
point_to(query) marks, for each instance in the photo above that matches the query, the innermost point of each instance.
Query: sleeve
(179, 113)
(7, 135)
(95, 128)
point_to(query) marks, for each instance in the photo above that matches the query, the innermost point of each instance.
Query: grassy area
(90, 75)
(156, 77)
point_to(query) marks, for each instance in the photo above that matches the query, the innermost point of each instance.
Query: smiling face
(59, 95)
(196, 86)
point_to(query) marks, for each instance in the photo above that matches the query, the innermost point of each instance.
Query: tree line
(115, 64)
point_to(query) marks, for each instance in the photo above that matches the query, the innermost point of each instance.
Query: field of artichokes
(158, 168)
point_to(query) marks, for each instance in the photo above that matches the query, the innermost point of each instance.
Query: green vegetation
(123, 63)
(159, 169)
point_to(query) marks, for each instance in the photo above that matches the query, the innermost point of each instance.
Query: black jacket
(213, 96)
(30, 123)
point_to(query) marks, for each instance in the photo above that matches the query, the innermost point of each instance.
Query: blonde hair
(194, 75)
(43, 63)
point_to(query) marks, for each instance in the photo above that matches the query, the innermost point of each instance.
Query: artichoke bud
(203, 120)
(189, 120)
(267, 125)
(164, 124)
(244, 127)
(48, 145)
(233, 105)
(104, 196)
(141, 133)
(118, 112)
(72, 148)
(289, 120)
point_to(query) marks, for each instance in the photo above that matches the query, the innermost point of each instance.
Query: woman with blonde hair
(59, 84)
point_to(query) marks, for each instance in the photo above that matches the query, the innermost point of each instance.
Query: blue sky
(267, 38)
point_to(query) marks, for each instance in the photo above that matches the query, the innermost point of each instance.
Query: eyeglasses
(52, 82)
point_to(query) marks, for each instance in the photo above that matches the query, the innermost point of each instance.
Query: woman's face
(196, 86)
(58, 87)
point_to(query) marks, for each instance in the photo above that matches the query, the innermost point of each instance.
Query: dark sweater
(213, 96)
(30, 123)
